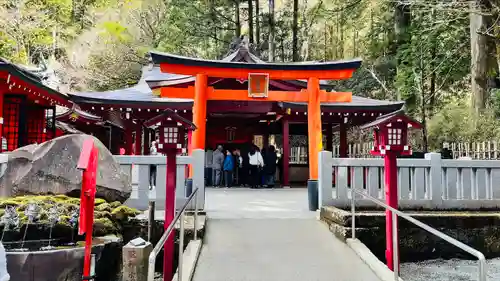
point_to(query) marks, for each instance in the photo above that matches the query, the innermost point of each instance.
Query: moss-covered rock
(99, 201)
(124, 212)
(115, 204)
(108, 217)
(103, 226)
(103, 207)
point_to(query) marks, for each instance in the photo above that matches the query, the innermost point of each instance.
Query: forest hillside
(440, 56)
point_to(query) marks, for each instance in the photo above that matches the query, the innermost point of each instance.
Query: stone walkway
(261, 235)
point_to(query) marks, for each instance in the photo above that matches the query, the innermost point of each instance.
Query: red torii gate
(258, 76)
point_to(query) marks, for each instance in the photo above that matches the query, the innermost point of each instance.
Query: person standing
(153, 151)
(218, 160)
(270, 159)
(256, 162)
(209, 154)
(228, 169)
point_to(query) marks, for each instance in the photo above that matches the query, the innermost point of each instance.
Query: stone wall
(480, 230)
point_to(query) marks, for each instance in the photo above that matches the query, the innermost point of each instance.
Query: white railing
(430, 183)
(179, 217)
(146, 186)
(4, 158)
(395, 254)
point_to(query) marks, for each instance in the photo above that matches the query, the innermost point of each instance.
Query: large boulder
(50, 168)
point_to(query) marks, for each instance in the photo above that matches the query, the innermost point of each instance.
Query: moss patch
(108, 216)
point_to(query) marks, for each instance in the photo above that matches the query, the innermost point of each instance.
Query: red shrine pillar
(286, 152)
(391, 195)
(343, 148)
(196, 140)
(138, 139)
(129, 140)
(315, 139)
(147, 141)
(2, 93)
(168, 248)
(329, 137)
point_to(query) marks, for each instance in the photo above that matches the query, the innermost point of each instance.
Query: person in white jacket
(256, 163)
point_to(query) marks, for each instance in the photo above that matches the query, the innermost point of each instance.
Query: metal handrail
(166, 234)
(394, 214)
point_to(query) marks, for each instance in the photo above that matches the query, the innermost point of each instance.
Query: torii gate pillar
(315, 139)
(197, 138)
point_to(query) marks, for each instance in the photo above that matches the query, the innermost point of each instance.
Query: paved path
(261, 235)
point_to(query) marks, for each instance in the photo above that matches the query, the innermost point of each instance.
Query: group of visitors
(254, 168)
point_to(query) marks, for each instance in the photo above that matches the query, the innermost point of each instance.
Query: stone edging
(378, 267)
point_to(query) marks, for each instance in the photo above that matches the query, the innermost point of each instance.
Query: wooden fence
(476, 150)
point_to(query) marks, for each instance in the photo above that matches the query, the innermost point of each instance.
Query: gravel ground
(448, 270)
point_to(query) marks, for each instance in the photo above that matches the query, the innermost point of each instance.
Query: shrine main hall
(235, 112)
(234, 102)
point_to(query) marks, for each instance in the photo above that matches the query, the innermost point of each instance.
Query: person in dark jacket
(270, 160)
(228, 169)
(218, 160)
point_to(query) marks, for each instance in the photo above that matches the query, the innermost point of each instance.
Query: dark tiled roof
(80, 113)
(152, 77)
(139, 94)
(159, 58)
(30, 78)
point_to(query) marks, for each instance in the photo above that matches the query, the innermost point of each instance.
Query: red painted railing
(88, 164)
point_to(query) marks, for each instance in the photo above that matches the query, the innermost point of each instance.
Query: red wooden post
(391, 198)
(343, 147)
(138, 139)
(391, 140)
(286, 153)
(129, 141)
(168, 248)
(2, 93)
(88, 163)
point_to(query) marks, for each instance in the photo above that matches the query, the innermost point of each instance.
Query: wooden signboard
(258, 85)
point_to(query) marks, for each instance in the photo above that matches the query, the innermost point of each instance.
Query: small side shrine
(27, 107)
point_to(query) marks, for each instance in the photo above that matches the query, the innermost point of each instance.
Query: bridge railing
(179, 217)
(394, 214)
(430, 183)
(148, 186)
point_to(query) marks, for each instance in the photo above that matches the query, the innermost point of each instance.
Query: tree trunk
(423, 103)
(271, 30)
(432, 86)
(257, 24)
(481, 50)
(250, 20)
(402, 21)
(282, 47)
(237, 18)
(295, 27)
(341, 45)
